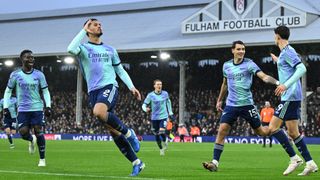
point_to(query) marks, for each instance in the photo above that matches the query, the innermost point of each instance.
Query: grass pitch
(79, 160)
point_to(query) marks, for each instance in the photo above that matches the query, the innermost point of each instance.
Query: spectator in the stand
(266, 114)
(194, 132)
(182, 130)
(169, 130)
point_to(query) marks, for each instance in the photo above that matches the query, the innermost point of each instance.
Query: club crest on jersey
(240, 6)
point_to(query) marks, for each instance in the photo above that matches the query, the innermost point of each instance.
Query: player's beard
(100, 34)
(28, 66)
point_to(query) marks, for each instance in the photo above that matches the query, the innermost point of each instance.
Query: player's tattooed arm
(267, 79)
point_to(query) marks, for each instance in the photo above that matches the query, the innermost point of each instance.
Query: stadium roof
(145, 25)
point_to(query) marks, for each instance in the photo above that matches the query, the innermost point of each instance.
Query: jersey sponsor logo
(237, 76)
(98, 57)
(28, 86)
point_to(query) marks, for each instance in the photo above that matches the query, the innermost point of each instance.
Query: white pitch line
(76, 175)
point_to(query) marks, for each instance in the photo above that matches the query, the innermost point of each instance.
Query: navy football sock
(125, 147)
(27, 137)
(41, 142)
(116, 123)
(284, 141)
(217, 151)
(9, 138)
(163, 137)
(302, 147)
(158, 141)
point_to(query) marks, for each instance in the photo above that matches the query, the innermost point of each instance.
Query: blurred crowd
(202, 88)
(200, 112)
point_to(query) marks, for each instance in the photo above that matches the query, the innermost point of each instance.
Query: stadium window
(208, 62)
(148, 64)
(69, 67)
(173, 64)
(313, 57)
(267, 59)
(126, 65)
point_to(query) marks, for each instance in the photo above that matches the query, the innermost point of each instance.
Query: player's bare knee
(224, 129)
(262, 131)
(101, 115)
(293, 134)
(273, 129)
(101, 111)
(23, 131)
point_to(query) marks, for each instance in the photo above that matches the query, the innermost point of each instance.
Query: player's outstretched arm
(267, 79)
(135, 92)
(223, 92)
(73, 47)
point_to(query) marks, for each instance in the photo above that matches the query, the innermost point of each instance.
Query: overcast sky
(17, 6)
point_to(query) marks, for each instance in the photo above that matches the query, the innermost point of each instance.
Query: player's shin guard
(284, 141)
(9, 138)
(116, 123)
(158, 141)
(125, 147)
(41, 142)
(217, 151)
(302, 147)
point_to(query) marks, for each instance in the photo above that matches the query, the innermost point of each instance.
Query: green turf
(102, 160)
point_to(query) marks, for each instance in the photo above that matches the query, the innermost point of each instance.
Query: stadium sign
(221, 16)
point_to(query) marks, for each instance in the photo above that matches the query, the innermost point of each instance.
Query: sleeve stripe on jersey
(9, 87)
(116, 64)
(257, 72)
(44, 87)
(296, 64)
